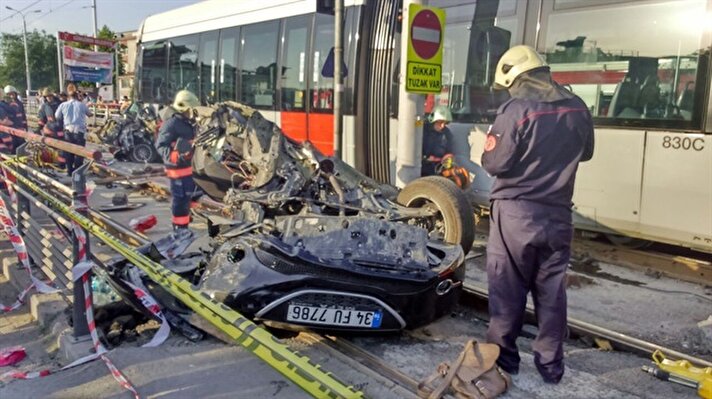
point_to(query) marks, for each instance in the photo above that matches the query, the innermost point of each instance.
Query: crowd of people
(60, 115)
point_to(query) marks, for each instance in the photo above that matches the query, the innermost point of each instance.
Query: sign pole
(410, 130)
(338, 78)
(59, 64)
(116, 68)
(96, 48)
(421, 73)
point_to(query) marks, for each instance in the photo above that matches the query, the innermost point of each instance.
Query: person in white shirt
(74, 114)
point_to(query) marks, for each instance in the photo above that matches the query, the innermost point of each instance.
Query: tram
(643, 68)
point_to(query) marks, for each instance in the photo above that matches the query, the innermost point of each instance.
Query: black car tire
(450, 201)
(143, 152)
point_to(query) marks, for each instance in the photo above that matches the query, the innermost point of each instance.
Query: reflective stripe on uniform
(178, 173)
(181, 220)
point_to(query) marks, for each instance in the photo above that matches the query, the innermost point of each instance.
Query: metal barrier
(102, 112)
(51, 242)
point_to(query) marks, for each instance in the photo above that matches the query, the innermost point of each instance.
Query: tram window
(350, 46)
(476, 35)
(182, 64)
(153, 73)
(259, 64)
(294, 63)
(208, 66)
(322, 87)
(229, 40)
(634, 64)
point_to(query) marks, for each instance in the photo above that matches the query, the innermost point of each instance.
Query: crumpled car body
(310, 241)
(131, 136)
(306, 241)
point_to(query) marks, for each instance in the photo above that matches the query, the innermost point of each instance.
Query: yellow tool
(682, 372)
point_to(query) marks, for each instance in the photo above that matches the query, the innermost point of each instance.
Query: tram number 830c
(684, 143)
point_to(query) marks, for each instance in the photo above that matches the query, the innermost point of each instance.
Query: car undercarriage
(306, 241)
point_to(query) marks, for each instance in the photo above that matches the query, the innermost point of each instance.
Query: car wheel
(143, 152)
(453, 220)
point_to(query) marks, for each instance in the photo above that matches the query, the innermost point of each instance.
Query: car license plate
(334, 317)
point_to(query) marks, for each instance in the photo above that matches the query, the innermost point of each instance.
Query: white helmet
(441, 113)
(185, 100)
(514, 62)
(10, 89)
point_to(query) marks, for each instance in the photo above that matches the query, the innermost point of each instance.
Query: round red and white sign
(426, 34)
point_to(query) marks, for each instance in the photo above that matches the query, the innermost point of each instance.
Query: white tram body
(642, 66)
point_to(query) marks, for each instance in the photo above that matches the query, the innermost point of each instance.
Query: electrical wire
(19, 11)
(32, 21)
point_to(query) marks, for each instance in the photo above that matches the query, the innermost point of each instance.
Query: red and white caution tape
(150, 303)
(81, 271)
(18, 244)
(10, 190)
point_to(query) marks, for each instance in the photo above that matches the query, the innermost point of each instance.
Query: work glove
(447, 161)
(184, 148)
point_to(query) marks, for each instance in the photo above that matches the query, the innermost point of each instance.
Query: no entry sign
(425, 49)
(425, 34)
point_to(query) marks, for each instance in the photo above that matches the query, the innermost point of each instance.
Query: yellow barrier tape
(298, 368)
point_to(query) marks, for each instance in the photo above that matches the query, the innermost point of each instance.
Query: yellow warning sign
(425, 49)
(423, 78)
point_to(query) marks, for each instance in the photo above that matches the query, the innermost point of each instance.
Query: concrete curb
(46, 309)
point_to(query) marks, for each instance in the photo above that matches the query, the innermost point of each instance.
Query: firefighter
(48, 124)
(533, 150)
(16, 112)
(175, 144)
(437, 140)
(5, 138)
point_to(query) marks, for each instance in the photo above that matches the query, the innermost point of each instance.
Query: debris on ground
(11, 356)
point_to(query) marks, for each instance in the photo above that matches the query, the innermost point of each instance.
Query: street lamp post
(24, 40)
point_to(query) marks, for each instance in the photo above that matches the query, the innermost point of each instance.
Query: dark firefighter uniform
(435, 144)
(174, 143)
(533, 149)
(19, 120)
(5, 138)
(48, 124)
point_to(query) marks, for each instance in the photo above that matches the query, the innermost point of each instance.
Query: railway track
(686, 265)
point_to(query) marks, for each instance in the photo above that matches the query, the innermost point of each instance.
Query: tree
(42, 55)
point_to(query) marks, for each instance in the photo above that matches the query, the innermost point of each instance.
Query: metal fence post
(23, 204)
(80, 205)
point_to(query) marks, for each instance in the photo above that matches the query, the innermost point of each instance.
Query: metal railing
(102, 112)
(50, 239)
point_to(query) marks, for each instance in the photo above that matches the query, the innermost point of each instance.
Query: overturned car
(307, 241)
(130, 136)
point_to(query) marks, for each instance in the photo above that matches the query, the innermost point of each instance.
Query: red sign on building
(71, 37)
